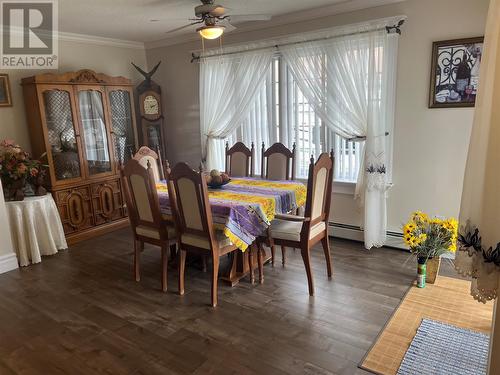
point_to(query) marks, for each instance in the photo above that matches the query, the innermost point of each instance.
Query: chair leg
(283, 255)
(326, 248)
(306, 257)
(164, 265)
(182, 267)
(261, 263)
(250, 263)
(273, 252)
(137, 260)
(215, 278)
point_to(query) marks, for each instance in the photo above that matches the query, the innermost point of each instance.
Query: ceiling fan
(216, 21)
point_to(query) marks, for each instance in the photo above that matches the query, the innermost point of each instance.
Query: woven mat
(447, 301)
(440, 348)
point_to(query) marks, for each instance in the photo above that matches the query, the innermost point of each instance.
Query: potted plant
(428, 239)
(19, 171)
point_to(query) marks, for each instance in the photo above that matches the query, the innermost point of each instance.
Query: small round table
(35, 228)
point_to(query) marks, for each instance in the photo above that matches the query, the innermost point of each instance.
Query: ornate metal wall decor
(455, 72)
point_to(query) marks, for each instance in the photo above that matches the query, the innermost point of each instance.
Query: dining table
(243, 210)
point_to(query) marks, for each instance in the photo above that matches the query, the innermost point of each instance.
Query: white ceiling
(132, 19)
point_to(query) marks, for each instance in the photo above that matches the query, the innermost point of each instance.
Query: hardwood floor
(81, 312)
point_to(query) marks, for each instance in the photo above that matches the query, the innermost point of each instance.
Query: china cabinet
(82, 124)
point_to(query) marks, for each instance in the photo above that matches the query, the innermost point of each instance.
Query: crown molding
(290, 18)
(99, 40)
(85, 38)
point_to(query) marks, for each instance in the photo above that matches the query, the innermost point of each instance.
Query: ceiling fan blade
(219, 11)
(249, 17)
(184, 27)
(210, 9)
(228, 26)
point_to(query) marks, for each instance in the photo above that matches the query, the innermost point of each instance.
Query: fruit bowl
(216, 179)
(213, 185)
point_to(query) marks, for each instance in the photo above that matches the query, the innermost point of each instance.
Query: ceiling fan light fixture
(211, 32)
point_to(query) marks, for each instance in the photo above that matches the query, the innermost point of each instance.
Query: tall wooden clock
(149, 112)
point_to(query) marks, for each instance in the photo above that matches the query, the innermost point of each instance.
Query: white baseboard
(355, 233)
(348, 232)
(8, 263)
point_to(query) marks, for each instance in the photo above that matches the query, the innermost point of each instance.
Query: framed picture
(455, 72)
(5, 97)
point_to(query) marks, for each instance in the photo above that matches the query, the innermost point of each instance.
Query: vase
(29, 189)
(432, 269)
(14, 190)
(421, 271)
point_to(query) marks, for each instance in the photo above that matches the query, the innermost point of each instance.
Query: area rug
(443, 349)
(448, 301)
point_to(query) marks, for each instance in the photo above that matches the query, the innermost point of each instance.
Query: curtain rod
(396, 28)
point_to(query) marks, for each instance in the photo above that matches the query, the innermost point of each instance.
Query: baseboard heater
(355, 233)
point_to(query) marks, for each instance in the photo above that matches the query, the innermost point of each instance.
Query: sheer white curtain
(478, 251)
(256, 127)
(349, 80)
(228, 88)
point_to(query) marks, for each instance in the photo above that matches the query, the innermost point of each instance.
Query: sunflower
(408, 238)
(420, 216)
(409, 228)
(453, 246)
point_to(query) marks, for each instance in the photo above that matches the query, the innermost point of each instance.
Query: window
(282, 114)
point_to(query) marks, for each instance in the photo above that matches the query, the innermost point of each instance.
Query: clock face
(151, 106)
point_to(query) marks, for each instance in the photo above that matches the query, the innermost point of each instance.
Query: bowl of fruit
(216, 179)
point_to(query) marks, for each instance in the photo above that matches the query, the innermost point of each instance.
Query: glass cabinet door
(120, 104)
(95, 135)
(61, 134)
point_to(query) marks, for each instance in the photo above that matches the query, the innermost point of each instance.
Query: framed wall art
(5, 96)
(455, 72)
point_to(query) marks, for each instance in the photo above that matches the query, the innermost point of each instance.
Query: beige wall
(72, 56)
(430, 145)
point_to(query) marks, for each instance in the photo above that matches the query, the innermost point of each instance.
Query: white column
(8, 258)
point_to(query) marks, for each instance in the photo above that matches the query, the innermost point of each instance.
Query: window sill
(344, 187)
(339, 186)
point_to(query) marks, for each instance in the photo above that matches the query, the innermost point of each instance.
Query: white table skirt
(36, 228)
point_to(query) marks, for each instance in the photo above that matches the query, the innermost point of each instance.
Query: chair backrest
(147, 156)
(278, 162)
(240, 160)
(142, 199)
(188, 195)
(319, 188)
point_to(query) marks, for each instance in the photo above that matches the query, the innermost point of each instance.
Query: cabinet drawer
(107, 201)
(75, 208)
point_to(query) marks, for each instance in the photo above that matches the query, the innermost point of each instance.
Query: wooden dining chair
(146, 221)
(188, 194)
(305, 232)
(278, 162)
(145, 155)
(240, 160)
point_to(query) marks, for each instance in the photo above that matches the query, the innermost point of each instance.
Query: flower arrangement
(430, 237)
(17, 168)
